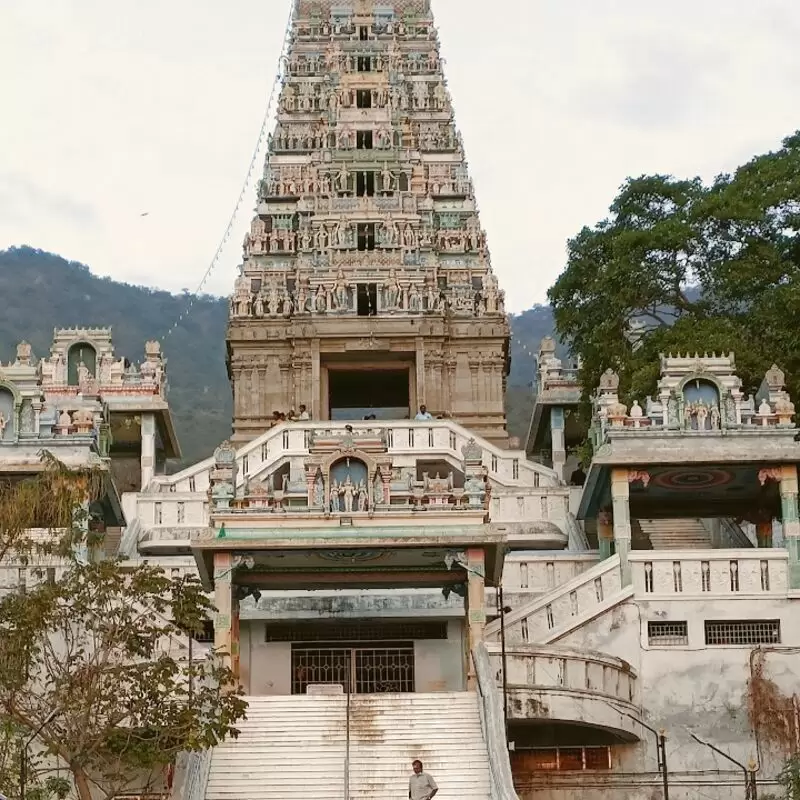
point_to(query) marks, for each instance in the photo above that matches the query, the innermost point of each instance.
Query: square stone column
(791, 521)
(475, 607)
(620, 496)
(316, 401)
(226, 623)
(605, 534)
(148, 455)
(420, 374)
(557, 439)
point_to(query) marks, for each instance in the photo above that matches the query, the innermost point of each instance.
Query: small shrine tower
(366, 286)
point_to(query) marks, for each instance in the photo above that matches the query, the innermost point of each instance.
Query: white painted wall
(439, 662)
(266, 667)
(695, 687)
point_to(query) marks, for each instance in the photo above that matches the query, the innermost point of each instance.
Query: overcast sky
(111, 109)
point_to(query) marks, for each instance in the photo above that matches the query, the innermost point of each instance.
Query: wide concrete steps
(289, 748)
(388, 732)
(676, 534)
(293, 748)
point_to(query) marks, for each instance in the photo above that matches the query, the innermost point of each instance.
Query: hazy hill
(42, 291)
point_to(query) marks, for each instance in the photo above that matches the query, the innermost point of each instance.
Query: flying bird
(144, 214)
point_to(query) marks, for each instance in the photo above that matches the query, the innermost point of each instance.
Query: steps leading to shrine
(443, 730)
(289, 748)
(293, 748)
(677, 534)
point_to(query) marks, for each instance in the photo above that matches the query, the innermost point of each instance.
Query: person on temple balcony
(303, 413)
(290, 417)
(578, 477)
(423, 415)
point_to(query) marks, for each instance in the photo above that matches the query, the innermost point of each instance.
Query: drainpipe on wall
(503, 610)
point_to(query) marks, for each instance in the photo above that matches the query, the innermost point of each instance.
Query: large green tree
(93, 668)
(681, 266)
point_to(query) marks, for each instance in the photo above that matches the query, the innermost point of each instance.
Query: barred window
(667, 634)
(743, 632)
(561, 759)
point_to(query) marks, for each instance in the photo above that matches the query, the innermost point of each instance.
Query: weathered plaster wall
(694, 688)
(439, 662)
(266, 667)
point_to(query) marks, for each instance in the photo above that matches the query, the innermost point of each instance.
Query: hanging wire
(467, 171)
(254, 161)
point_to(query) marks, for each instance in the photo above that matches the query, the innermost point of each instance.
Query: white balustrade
(440, 437)
(547, 504)
(543, 572)
(172, 510)
(685, 574)
(552, 615)
(565, 668)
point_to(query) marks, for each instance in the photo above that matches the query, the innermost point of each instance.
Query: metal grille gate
(367, 670)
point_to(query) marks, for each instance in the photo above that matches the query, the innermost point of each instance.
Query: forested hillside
(42, 291)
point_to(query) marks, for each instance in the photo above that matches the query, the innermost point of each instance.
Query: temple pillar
(420, 365)
(791, 521)
(226, 623)
(475, 607)
(316, 401)
(148, 452)
(620, 496)
(605, 534)
(557, 439)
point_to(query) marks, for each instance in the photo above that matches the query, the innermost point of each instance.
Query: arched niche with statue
(348, 485)
(700, 404)
(10, 402)
(346, 482)
(81, 363)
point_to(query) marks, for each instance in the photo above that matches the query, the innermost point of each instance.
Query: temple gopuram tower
(366, 285)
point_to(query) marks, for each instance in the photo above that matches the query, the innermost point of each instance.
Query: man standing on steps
(420, 785)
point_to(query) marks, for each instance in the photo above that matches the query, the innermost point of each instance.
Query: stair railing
(578, 541)
(491, 710)
(732, 531)
(347, 729)
(195, 767)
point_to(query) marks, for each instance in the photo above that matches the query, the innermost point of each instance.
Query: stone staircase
(293, 748)
(676, 534)
(289, 748)
(443, 730)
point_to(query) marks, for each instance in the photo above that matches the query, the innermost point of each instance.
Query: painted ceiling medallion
(693, 479)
